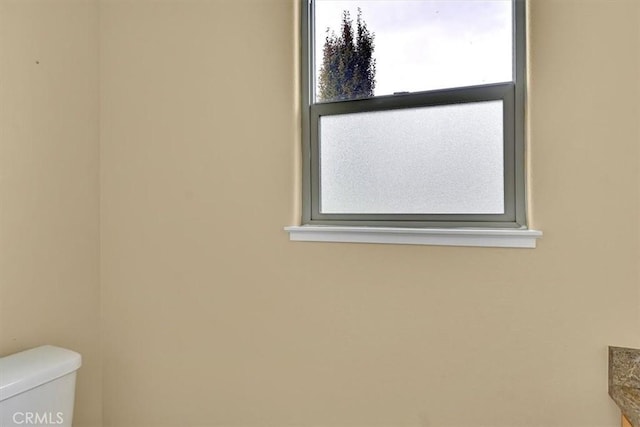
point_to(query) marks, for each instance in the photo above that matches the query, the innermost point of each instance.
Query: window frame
(511, 93)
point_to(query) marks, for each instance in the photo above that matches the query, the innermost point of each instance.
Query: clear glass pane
(429, 160)
(418, 45)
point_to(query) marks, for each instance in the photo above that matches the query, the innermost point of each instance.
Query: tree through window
(348, 67)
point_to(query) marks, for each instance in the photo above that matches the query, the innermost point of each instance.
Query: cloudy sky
(429, 44)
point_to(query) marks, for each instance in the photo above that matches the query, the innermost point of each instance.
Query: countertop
(624, 381)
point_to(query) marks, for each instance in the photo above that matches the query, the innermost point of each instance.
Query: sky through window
(428, 44)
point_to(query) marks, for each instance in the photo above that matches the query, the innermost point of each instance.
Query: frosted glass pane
(423, 44)
(428, 160)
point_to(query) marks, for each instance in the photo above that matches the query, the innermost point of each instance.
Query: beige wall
(210, 316)
(49, 194)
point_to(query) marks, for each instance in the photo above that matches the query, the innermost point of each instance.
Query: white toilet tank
(37, 387)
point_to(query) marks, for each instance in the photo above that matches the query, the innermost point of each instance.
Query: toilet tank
(37, 387)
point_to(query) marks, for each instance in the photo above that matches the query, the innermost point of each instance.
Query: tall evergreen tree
(348, 67)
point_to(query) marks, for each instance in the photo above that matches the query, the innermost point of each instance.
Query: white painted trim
(494, 237)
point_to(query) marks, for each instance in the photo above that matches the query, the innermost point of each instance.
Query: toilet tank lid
(23, 371)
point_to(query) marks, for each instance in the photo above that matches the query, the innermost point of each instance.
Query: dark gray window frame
(511, 93)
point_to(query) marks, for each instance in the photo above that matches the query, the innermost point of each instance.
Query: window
(426, 127)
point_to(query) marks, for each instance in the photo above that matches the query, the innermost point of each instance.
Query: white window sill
(496, 238)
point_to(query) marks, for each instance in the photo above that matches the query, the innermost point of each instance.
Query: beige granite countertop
(624, 381)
